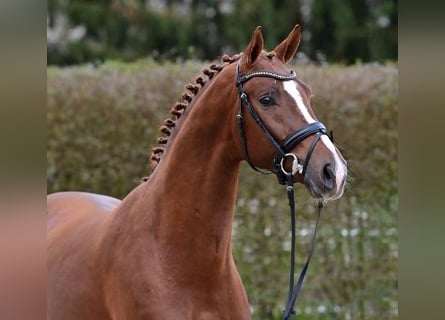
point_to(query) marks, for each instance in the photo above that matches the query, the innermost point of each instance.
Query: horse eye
(266, 101)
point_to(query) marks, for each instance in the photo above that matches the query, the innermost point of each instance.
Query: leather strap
(289, 142)
(302, 134)
(282, 149)
(294, 291)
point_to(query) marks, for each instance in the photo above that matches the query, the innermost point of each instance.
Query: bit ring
(296, 166)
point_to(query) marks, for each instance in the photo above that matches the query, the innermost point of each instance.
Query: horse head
(278, 129)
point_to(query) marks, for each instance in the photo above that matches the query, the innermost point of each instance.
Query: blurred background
(346, 31)
(116, 67)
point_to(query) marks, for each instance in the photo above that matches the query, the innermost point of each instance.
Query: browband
(266, 74)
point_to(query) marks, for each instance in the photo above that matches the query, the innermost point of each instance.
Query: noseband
(284, 176)
(283, 149)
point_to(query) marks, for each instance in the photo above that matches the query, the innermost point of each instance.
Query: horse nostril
(328, 177)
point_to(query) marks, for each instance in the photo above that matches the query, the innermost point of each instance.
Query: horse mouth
(320, 191)
(318, 194)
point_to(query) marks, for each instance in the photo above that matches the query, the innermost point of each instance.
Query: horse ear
(254, 48)
(288, 47)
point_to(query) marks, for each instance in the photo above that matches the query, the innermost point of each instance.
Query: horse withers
(164, 251)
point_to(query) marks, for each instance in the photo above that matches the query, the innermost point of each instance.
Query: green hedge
(340, 30)
(102, 123)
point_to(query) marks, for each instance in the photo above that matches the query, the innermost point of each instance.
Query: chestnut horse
(164, 251)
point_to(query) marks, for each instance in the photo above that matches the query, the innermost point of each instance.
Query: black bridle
(284, 177)
(282, 150)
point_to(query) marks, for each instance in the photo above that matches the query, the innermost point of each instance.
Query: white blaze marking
(340, 171)
(291, 88)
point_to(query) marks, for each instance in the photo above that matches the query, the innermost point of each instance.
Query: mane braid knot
(179, 107)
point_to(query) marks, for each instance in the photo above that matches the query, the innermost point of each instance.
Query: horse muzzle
(326, 182)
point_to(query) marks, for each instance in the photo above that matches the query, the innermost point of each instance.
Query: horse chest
(160, 296)
(180, 304)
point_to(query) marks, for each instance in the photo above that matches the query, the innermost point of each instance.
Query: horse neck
(193, 189)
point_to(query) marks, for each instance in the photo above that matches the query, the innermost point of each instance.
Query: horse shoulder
(76, 223)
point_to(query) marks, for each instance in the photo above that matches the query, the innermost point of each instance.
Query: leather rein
(284, 177)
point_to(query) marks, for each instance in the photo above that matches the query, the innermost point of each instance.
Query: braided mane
(179, 107)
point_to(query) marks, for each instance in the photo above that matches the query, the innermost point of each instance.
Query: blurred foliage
(333, 30)
(351, 30)
(102, 122)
